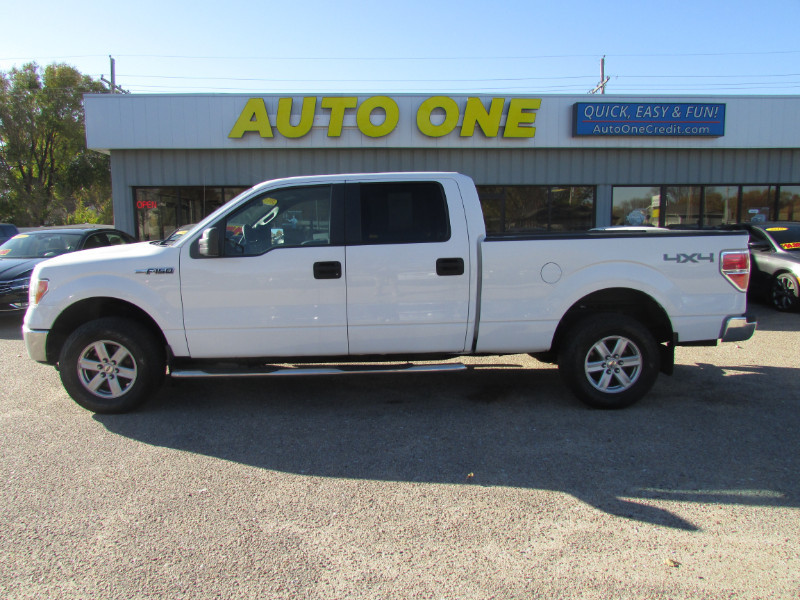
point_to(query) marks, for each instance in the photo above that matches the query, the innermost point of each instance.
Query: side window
(283, 218)
(96, 240)
(403, 213)
(114, 239)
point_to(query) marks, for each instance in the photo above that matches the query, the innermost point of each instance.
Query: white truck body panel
(528, 285)
(111, 272)
(450, 292)
(266, 305)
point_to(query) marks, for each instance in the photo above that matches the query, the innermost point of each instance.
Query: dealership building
(541, 163)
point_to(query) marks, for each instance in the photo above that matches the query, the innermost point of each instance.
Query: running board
(269, 371)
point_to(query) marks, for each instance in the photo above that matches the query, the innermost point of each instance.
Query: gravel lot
(495, 483)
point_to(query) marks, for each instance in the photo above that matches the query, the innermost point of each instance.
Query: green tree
(46, 171)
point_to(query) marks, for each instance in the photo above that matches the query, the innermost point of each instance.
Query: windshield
(176, 235)
(786, 236)
(40, 245)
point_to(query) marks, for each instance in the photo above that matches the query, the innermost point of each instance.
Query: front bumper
(36, 343)
(738, 329)
(14, 295)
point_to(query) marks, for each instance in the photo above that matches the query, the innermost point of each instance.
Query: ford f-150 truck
(319, 275)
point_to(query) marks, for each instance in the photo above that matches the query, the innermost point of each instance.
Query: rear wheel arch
(623, 301)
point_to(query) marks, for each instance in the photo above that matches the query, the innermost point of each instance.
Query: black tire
(609, 360)
(784, 293)
(111, 365)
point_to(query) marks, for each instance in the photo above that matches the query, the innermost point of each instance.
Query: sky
(482, 47)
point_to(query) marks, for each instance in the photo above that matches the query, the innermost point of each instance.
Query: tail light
(735, 267)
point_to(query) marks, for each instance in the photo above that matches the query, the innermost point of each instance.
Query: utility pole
(114, 74)
(603, 79)
(113, 87)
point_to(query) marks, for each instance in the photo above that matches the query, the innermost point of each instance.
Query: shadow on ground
(770, 319)
(702, 435)
(11, 325)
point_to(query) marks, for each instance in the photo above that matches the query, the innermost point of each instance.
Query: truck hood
(127, 258)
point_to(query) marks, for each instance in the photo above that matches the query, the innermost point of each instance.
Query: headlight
(21, 284)
(37, 290)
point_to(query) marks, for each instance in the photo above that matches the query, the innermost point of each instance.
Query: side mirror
(760, 246)
(208, 245)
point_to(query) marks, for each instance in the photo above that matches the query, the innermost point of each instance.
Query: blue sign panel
(649, 119)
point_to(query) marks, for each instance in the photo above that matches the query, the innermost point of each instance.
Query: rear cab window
(397, 213)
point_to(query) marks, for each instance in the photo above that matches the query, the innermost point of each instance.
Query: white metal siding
(203, 121)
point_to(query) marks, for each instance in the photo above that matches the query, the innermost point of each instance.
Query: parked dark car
(775, 258)
(25, 250)
(7, 231)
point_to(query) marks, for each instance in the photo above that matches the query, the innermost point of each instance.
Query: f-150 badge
(155, 271)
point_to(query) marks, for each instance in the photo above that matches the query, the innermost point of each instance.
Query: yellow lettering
(475, 113)
(253, 118)
(284, 122)
(450, 119)
(364, 114)
(519, 122)
(337, 107)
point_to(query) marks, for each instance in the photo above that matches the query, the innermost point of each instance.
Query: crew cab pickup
(327, 273)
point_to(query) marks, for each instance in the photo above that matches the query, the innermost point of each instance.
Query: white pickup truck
(327, 273)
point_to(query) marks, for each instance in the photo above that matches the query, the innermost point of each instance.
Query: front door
(278, 287)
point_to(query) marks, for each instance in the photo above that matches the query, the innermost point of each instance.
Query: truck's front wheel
(609, 360)
(111, 365)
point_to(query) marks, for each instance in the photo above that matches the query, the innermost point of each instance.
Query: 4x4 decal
(690, 258)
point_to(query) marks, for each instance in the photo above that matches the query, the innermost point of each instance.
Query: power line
(371, 80)
(419, 58)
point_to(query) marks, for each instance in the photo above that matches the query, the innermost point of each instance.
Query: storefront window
(537, 208)
(635, 206)
(159, 211)
(721, 203)
(493, 205)
(789, 203)
(758, 203)
(697, 206)
(682, 206)
(526, 209)
(571, 208)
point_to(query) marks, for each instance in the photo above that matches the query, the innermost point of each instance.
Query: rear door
(407, 267)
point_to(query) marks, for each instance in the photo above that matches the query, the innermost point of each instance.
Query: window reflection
(757, 203)
(682, 206)
(161, 210)
(703, 206)
(635, 206)
(721, 204)
(537, 208)
(789, 203)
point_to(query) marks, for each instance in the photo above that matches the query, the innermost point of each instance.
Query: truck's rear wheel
(111, 365)
(609, 360)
